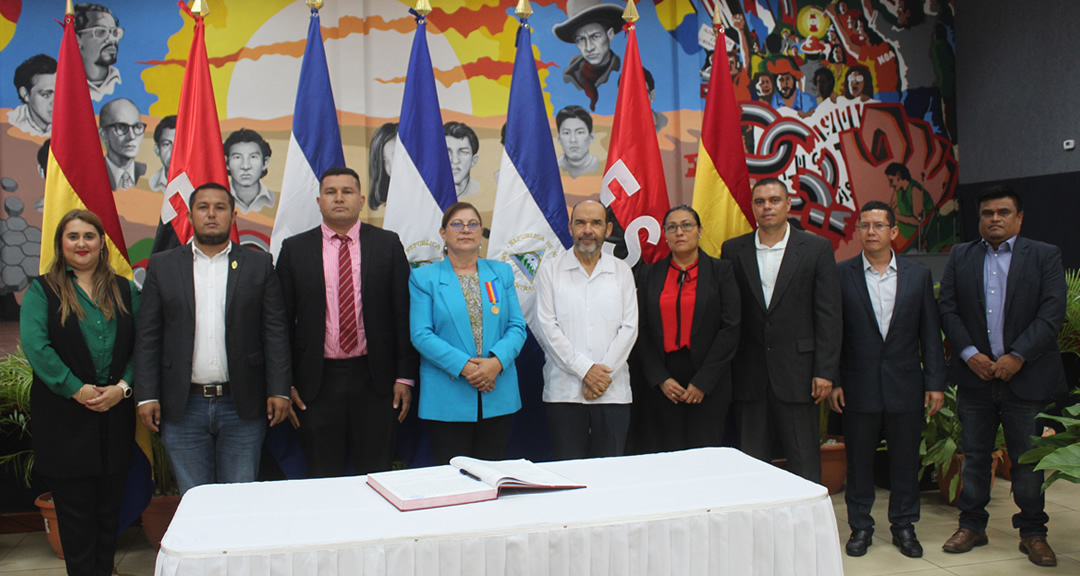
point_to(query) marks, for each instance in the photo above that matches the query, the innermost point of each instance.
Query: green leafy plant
(16, 378)
(164, 483)
(1069, 337)
(941, 441)
(1058, 452)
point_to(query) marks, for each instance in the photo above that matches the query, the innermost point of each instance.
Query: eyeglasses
(685, 226)
(101, 32)
(458, 226)
(121, 129)
(877, 226)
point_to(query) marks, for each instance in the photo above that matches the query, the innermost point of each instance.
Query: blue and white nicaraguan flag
(529, 225)
(314, 146)
(422, 186)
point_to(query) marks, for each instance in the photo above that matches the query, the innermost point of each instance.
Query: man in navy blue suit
(892, 368)
(1002, 305)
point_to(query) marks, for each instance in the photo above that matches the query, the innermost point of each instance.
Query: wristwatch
(127, 389)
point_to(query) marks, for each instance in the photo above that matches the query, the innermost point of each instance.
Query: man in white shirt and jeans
(588, 317)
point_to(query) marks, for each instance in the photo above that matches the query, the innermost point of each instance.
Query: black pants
(862, 432)
(347, 421)
(796, 425)
(88, 514)
(587, 430)
(682, 426)
(486, 439)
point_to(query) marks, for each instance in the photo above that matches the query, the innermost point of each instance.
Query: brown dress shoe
(1038, 551)
(965, 539)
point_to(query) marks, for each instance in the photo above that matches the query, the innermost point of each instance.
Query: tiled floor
(30, 554)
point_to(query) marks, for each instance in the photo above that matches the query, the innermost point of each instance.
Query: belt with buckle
(211, 390)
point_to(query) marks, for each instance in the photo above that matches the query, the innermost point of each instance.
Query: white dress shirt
(209, 362)
(264, 199)
(99, 91)
(769, 259)
(882, 290)
(586, 320)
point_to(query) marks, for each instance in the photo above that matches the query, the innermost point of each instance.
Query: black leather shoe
(905, 539)
(858, 543)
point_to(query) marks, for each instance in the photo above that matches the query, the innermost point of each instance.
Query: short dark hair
(573, 111)
(31, 67)
(212, 186)
(689, 209)
(458, 207)
(339, 171)
(890, 214)
(1000, 191)
(461, 130)
(245, 135)
(899, 170)
(378, 178)
(43, 155)
(650, 84)
(82, 14)
(768, 181)
(825, 75)
(166, 123)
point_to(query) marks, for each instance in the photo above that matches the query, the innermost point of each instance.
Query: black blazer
(1034, 312)
(798, 337)
(891, 374)
(256, 339)
(384, 289)
(714, 334)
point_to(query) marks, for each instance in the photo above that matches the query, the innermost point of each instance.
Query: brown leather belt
(211, 390)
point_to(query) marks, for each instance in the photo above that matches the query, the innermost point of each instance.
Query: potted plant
(833, 453)
(16, 378)
(1058, 452)
(159, 513)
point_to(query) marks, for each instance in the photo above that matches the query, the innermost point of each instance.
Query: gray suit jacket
(256, 338)
(1034, 312)
(797, 338)
(891, 374)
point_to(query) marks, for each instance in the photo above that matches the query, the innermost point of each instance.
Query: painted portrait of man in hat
(787, 88)
(591, 25)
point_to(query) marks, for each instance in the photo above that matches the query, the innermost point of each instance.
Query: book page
(511, 473)
(433, 482)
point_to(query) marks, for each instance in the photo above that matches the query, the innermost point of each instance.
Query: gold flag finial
(524, 10)
(199, 8)
(314, 4)
(630, 14)
(423, 7)
(716, 21)
(69, 10)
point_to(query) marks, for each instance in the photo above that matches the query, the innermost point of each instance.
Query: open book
(465, 480)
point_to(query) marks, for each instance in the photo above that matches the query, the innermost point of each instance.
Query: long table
(706, 511)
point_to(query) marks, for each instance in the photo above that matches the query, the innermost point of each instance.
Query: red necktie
(348, 336)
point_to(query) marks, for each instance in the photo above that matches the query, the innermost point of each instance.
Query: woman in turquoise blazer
(467, 325)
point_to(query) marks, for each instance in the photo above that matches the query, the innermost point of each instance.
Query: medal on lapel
(493, 297)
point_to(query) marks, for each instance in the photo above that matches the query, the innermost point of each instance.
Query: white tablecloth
(708, 511)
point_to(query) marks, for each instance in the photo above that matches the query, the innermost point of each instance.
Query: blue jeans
(981, 410)
(212, 444)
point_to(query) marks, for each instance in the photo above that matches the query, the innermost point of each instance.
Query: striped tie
(348, 337)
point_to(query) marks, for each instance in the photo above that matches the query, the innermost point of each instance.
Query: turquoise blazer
(442, 334)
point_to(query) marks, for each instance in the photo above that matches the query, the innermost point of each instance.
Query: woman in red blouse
(689, 331)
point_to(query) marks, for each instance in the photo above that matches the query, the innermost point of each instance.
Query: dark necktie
(348, 337)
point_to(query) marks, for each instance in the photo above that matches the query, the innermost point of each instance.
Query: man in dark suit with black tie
(892, 367)
(1002, 305)
(212, 350)
(346, 287)
(790, 343)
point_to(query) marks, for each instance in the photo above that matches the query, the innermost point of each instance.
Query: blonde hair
(104, 293)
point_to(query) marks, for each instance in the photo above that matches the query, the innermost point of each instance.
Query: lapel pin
(234, 264)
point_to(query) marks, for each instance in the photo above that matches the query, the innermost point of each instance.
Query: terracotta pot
(157, 517)
(957, 465)
(834, 465)
(52, 530)
(1004, 468)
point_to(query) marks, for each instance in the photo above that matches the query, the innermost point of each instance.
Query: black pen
(469, 475)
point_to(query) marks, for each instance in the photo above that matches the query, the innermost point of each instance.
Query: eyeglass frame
(137, 129)
(116, 32)
(672, 227)
(878, 226)
(458, 226)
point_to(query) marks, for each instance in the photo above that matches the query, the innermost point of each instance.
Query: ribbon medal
(493, 297)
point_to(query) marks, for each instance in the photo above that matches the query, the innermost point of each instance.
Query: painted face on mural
(246, 163)
(388, 155)
(764, 86)
(786, 84)
(856, 84)
(163, 147)
(39, 98)
(733, 63)
(122, 130)
(594, 42)
(462, 158)
(575, 139)
(100, 40)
